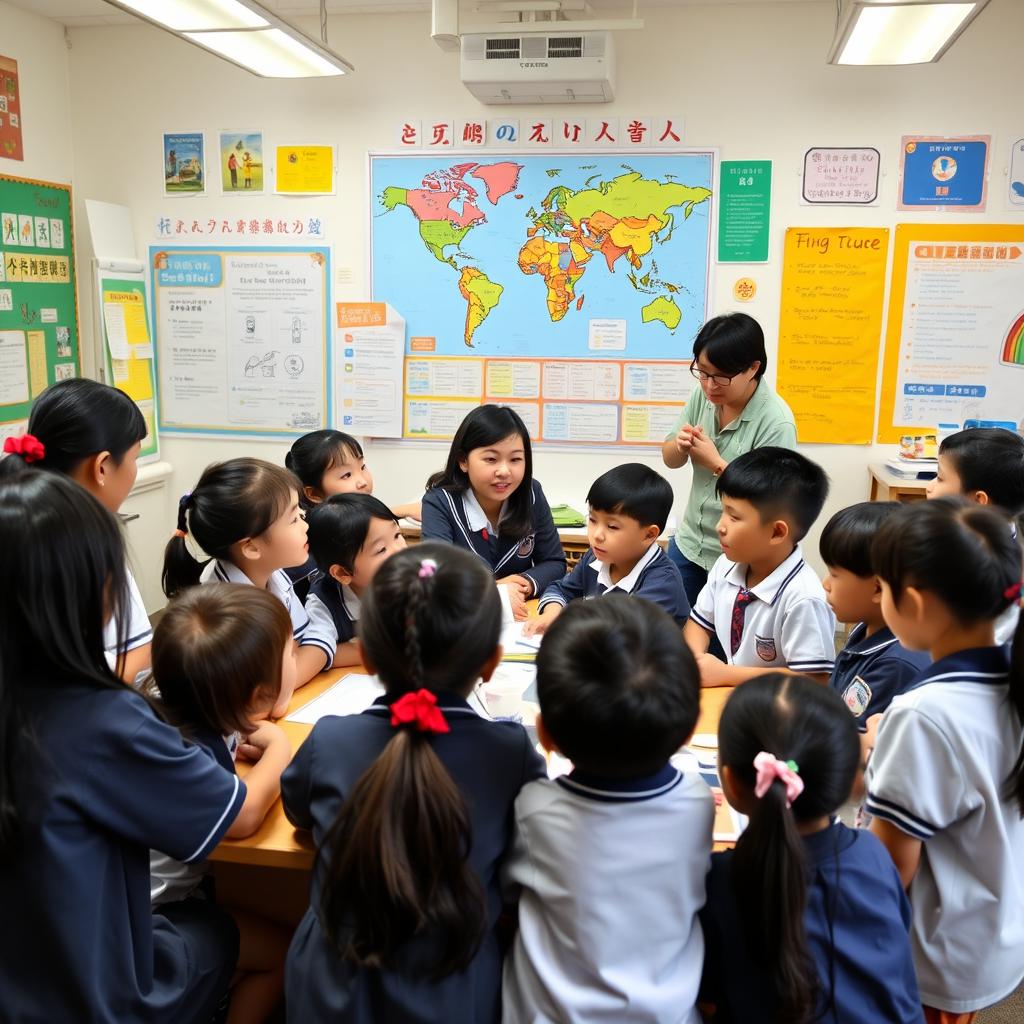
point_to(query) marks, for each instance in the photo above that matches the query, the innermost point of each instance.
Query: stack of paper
(348, 696)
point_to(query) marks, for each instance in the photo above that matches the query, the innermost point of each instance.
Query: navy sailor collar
(597, 787)
(987, 665)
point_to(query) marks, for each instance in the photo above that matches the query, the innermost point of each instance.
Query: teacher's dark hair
(732, 343)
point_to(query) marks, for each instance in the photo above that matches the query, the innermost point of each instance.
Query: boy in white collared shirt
(629, 506)
(762, 600)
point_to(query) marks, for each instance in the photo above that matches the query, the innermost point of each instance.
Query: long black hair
(794, 719)
(78, 418)
(968, 557)
(484, 426)
(397, 855)
(233, 500)
(62, 574)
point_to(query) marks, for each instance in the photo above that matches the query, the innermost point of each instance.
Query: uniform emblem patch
(525, 547)
(765, 647)
(857, 696)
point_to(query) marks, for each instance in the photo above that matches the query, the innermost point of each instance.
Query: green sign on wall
(39, 341)
(744, 209)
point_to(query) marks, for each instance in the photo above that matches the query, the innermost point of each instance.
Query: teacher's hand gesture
(704, 453)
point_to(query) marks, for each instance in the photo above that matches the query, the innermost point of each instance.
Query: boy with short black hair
(874, 666)
(986, 466)
(629, 506)
(762, 600)
(624, 838)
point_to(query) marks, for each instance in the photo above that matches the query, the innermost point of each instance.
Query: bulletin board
(39, 332)
(954, 347)
(567, 284)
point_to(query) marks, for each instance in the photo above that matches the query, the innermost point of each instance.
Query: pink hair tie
(769, 768)
(427, 568)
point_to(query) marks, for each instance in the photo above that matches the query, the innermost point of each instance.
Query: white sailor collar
(476, 518)
(769, 589)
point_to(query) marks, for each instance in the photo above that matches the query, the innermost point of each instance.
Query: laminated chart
(561, 284)
(955, 337)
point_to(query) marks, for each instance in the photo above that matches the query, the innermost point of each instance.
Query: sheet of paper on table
(701, 757)
(348, 696)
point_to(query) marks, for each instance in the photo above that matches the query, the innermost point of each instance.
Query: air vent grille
(565, 46)
(502, 49)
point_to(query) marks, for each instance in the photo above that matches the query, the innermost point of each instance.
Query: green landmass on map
(662, 309)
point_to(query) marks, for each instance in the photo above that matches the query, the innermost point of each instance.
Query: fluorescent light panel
(244, 33)
(895, 32)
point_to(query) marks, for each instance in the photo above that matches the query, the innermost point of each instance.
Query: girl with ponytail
(946, 780)
(410, 805)
(806, 919)
(93, 433)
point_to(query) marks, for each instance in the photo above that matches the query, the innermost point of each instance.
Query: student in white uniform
(221, 654)
(609, 861)
(985, 465)
(93, 433)
(762, 600)
(91, 779)
(245, 514)
(946, 781)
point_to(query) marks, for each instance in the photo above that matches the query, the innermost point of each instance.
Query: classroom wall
(749, 79)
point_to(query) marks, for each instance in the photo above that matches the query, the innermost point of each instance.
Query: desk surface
(278, 844)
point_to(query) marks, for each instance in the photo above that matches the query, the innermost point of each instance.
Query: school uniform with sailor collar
(331, 599)
(786, 624)
(654, 578)
(459, 520)
(309, 629)
(871, 670)
(944, 751)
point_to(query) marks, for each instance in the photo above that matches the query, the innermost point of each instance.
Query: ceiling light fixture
(244, 33)
(899, 31)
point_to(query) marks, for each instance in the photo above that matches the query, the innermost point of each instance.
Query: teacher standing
(732, 412)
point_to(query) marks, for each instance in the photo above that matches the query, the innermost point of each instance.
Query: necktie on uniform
(743, 598)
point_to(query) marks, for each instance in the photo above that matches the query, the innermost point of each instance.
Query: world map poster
(535, 266)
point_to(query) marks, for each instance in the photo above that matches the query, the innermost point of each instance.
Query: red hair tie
(420, 710)
(30, 448)
(1012, 593)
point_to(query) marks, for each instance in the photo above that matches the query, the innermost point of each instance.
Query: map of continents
(516, 256)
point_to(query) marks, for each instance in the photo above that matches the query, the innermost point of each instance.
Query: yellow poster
(305, 170)
(830, 328)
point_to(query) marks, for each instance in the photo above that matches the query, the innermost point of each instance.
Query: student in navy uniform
(486, 500)
(806, 920)
(350, 536)
(330, 462)
(410, 831)
(946, 780)
(610, 860)
(986, 466)
(221, 654)
(93, 433)
(90, 780)
(245, 514)
(629, 506)
(873, 666)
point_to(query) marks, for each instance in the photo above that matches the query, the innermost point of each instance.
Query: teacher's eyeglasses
(721, 379)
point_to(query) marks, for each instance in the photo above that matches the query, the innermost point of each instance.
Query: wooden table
(887, 486)
(277, 844)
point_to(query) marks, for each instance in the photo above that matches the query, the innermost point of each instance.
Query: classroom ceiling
(86, 13)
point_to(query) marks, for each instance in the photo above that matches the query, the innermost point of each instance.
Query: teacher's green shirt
(766, 420)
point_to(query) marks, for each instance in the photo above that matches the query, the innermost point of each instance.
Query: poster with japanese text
(39, 331)
(830, 330)
(954, 344)
(841, 176)
(243, 339)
